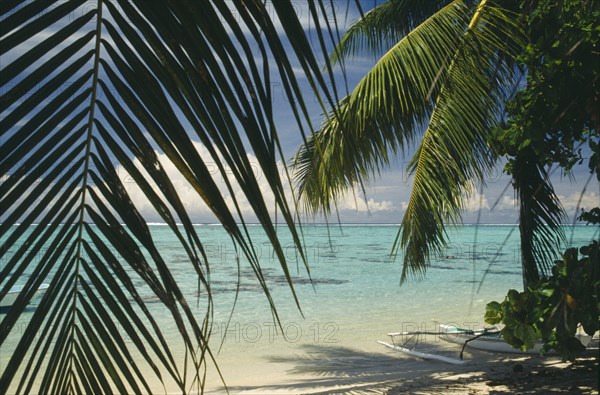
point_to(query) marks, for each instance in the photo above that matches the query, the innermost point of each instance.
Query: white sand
(337, 369)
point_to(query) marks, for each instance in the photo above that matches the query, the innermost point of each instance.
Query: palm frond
(384, 113)
(448, 76)
(92, 88)
(540, 217)
(383, 26)
(455, 153)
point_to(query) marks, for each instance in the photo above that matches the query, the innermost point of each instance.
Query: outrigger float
(487, 339)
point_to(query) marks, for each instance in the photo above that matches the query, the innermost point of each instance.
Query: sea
(347, 297)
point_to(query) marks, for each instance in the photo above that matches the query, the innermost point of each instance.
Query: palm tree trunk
(531, 273)
(540, 216)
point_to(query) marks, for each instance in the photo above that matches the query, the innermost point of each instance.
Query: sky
(387, 195)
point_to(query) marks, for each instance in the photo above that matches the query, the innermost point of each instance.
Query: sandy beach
(354, 299)
(340, 370)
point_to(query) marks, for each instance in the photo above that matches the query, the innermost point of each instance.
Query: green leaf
(450, 76)
(493, 313)
(526, 334)
(513, 297)
(90, 87)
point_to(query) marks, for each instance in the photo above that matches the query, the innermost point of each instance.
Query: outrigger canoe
(490, 339)
(424, 354)
(407, 342)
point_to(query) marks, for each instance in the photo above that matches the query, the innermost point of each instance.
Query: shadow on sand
(318, 369)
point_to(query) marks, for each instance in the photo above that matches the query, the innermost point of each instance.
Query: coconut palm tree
(92, 87)
(445, 72)
(89, 87)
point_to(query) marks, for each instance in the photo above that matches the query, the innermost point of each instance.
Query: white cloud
(350, 204)
(507, 203)
(476, 202)
(578, 200)
(192, 201)
(353, 202)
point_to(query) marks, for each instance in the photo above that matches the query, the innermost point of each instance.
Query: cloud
(475, 202)
(192, 201)
(471, 203)
(358, 204)
(507, 203)
(578, 200)
(350, 203)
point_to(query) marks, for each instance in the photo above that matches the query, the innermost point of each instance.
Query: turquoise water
(351, 266)
(355, 297)
(352, 296)
(353, 293)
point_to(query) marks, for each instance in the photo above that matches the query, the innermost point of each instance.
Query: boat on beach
(428, 354)
(12, 294)
(409, 343)
(486, 339)
(490, 339)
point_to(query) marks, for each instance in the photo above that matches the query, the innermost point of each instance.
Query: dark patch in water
(444, 267)
(305, 281)
(242, 288)
(281, 280)
(502, 272)
(375, 260)
(328, 255)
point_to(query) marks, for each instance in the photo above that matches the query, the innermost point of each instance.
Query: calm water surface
(350, 298)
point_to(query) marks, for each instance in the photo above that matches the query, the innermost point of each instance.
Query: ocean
(348, 299)
(352, 296)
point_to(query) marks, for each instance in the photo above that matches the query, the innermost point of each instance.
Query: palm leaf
(383, 26)
(540, 217)
(455, 153)
(448, 76)
(384, 110)
(115, 84)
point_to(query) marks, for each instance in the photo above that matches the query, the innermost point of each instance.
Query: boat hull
(492, 341)
(424, 355)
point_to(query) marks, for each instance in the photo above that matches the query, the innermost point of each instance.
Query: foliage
(93, 87)
(551, 118)
(440, 85)
(548, 122)
(556, 307)
(558, 108)
(590, 217)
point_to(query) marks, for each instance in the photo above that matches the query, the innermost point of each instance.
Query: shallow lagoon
(351, 298)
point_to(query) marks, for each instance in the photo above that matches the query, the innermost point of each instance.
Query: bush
(554, 308)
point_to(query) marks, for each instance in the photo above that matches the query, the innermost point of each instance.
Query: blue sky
(387, 195)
